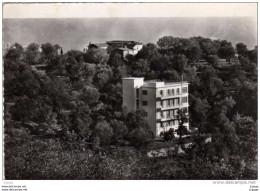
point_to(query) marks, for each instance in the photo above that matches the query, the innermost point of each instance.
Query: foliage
(167, 135)
(182, 117)
(64, 123)
(104, 132)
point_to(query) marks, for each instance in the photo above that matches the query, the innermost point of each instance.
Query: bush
(167, 135)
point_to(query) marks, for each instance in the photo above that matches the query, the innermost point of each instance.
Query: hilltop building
(125, 47)
(122, 47)
(159, 100)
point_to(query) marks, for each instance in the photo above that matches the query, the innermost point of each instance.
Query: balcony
(162, 97)
(167, 118)
(160, 108)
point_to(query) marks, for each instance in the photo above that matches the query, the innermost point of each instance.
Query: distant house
(125, 47)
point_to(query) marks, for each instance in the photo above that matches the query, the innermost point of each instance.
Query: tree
(89, 95)
(182, 118)
(241, 49)
(166, 42)
(199, 110)
(76, 54)
(96, 56)
(208, 46)
(37, 110)
(252, 55)
(32, 53)
(247, 65)
(171, 76)
(160, 63)
(48, 51)
(15, 52)
(81, 120)
(58, 90)
(116, 60)
(148, 52)
(213, 60)
(246, 99)
(139, 137)
(102, 75)
(180, 62)
(210, 83)
(167, 135)
(226, 50)
(140, 68)
(194, 53)
(246, 130)
(104, 132)
(119, 130)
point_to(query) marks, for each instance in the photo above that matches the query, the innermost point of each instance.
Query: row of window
(171, 113)
(169, 123)
(169, 91)
(173, 102)
(169, 103)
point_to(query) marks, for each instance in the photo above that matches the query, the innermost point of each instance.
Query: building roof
(97, 45)
(101, 44)
(124, 42)
(133, 78)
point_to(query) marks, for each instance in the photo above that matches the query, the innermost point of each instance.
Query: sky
(76, 33)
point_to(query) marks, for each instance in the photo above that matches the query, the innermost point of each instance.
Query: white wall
(129, 92)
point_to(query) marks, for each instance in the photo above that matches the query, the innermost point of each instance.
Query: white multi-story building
(159, 100)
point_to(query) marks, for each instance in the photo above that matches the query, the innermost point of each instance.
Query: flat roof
(132, 78)
(156, 81)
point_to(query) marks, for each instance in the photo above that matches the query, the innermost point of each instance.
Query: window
(137, 104)
(161, 92)
(168, 103)
(178, 101)
(171, 113)
(185, 109)
(162, 116)
(161, 124)
(171, 123)
(168, 114)
(145, 103)
(178, 91)
(144, 92)
(162, 103)
(172, 91)
(184, 99)
(145, 114)
(137, 93)
(169, 91)
(184, 90)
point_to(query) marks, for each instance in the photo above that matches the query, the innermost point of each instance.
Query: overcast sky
(77, 33)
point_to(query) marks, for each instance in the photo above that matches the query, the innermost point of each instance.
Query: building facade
(159, 100)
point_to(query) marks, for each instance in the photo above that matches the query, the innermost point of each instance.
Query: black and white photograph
(130, 91)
